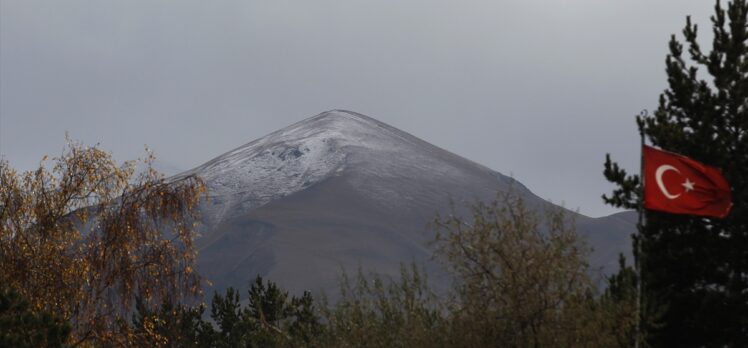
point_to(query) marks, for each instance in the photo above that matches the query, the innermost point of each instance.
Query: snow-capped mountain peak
(296, 157)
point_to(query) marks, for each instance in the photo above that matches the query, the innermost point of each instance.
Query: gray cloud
(537, 89)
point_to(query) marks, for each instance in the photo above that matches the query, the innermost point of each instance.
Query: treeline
(377, 312)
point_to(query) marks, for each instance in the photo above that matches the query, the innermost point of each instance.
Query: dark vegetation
(23, 327)
(271, 318)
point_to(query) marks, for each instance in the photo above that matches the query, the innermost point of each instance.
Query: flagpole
(640, 228)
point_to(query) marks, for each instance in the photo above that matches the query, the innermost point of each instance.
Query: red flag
(679, 185)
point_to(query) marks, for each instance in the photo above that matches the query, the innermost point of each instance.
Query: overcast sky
(539, 90)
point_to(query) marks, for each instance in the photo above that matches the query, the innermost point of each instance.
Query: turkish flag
(677, 184)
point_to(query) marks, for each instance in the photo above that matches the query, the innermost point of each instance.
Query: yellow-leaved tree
(82, 237)
(523, 280)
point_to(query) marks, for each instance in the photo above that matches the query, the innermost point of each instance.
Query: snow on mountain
(310, 151)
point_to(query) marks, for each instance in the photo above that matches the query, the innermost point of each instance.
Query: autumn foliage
(82, 237)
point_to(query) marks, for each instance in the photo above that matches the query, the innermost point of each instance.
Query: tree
(172, 325)
(22, 327)
(84, 238)
(619, 300)
(374, 311)
(271, 318)
(226, 312)
(277, 318)
(694, 270)
(522, 281)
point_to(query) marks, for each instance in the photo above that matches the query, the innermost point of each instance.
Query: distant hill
(343, 190)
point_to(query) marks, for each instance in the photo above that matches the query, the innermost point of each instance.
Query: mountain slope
(342, 190)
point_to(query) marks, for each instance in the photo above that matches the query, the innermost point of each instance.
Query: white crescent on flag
(658, 175)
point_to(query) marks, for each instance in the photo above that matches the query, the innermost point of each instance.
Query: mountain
(341, 190)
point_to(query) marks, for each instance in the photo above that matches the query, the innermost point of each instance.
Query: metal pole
(640, 228)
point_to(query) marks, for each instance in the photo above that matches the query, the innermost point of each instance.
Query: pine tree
(233, 328)
(695, 269)
(271, 318)
(21, 326)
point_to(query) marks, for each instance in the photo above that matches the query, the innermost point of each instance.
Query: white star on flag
(688, 185)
